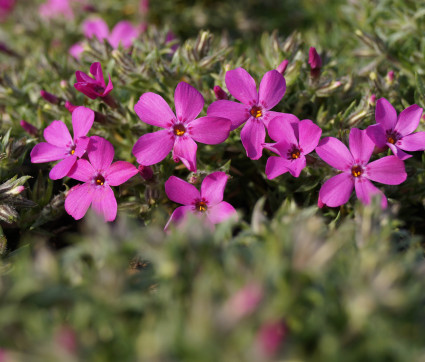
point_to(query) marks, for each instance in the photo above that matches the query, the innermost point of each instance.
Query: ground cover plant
(212, 180)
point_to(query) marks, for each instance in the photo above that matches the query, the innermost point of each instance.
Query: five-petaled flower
(293, 141)
(98, 175)
(255, 106)
(61, 146)
(93, 87)
(180, 131)
(356, 170)
(397, 133)
(208, 202)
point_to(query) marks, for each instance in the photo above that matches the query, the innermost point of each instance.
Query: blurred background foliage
(288, 281)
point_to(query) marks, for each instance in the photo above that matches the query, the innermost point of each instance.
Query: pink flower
(314, 59)
(397, 133)
(356, 171)
(270, 337)
(6, 7)
(76, 50)
(255, 106)
(61, 146)
(93, 87)
(54, 8)
(294, 141)
(98, 175)
(180, 132)
(123, 32)
(209, 202)
(282, 67)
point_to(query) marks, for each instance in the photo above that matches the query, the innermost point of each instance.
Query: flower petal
(109, 87)
(119, 172)
(282, 148)
(238, 113)
(408, 120)
(45, 152)
(242, 86)
(412, 142)
(365, 190)
(281, 130)
(212, 187)
(296, 166)
(96, 70)
(78, 200)
(361, 146)
(385, 114)
(337, 190)
(76, 50)
(309, 135)
(276, 166)
(57, 134)
(253, 135)
(188, 102)
(377, 134)
(100, 152)
(272, 89)
(62, 168)
(221, 212)
(398, 152)
(185, 149)
(210, 130)
(154, 110)
(81, 145)
(387, 170)
(181, 191)
(83, 171)
(335, 153)
(82, 121)
(104, 203)
(152, 148)
(97, 28)
(123, 32)
(178, 215)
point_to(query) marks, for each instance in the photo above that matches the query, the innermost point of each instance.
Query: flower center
(179, 129)
(294, 153)
(72, 152)
(99, 89)
(356, 170)
(392, 137)
(99, 180)
(256, 112)
(201, 206)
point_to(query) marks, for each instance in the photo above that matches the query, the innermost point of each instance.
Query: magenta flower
(55, 8)
(93, 87)
(270, 337)
(123, 33)
(397, 133)
(281, 68)
(209, 202)
(180, 132)
(61, 146)
(356, 171)
(98, 175)
(76, 50)
(6, 7)
(255, 106)
(294, 141)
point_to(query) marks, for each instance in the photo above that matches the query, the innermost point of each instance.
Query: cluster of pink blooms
(89, 159)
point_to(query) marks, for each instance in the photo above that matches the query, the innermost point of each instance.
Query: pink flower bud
(146, 172)
(16, 190)
(29, 128)
(390, 77)
(49, 97)
(270, 337)
(282, 67)
(70, 107)
(220, 93)
(144, 7)
(314, 59)
(63, 83)
(66, 338)
(372, 100)
(245, 301)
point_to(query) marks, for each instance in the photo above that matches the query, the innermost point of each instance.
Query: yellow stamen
(179, 130)
(295, 154)
(201, 206)
(356, 171)
(256, 112)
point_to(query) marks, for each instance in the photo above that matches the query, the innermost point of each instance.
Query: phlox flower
(54, 8)
(208, 202)
(397, 132)
(98, 175)
(6, 7)
(293, 142)
(255, 106)
(93, 87)
(61, 146)
(123, 33)
(356, 170)
(180, 131)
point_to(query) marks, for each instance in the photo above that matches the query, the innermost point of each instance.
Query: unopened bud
(16, 190)
(70, 107)
(372, 100)
(328, 89)
(49, 97)
(270, 337)
(315, 63)
(220, 93)
(146, 172)
(282, 67)
(390, 77)
(29, 128)
(64, 84)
